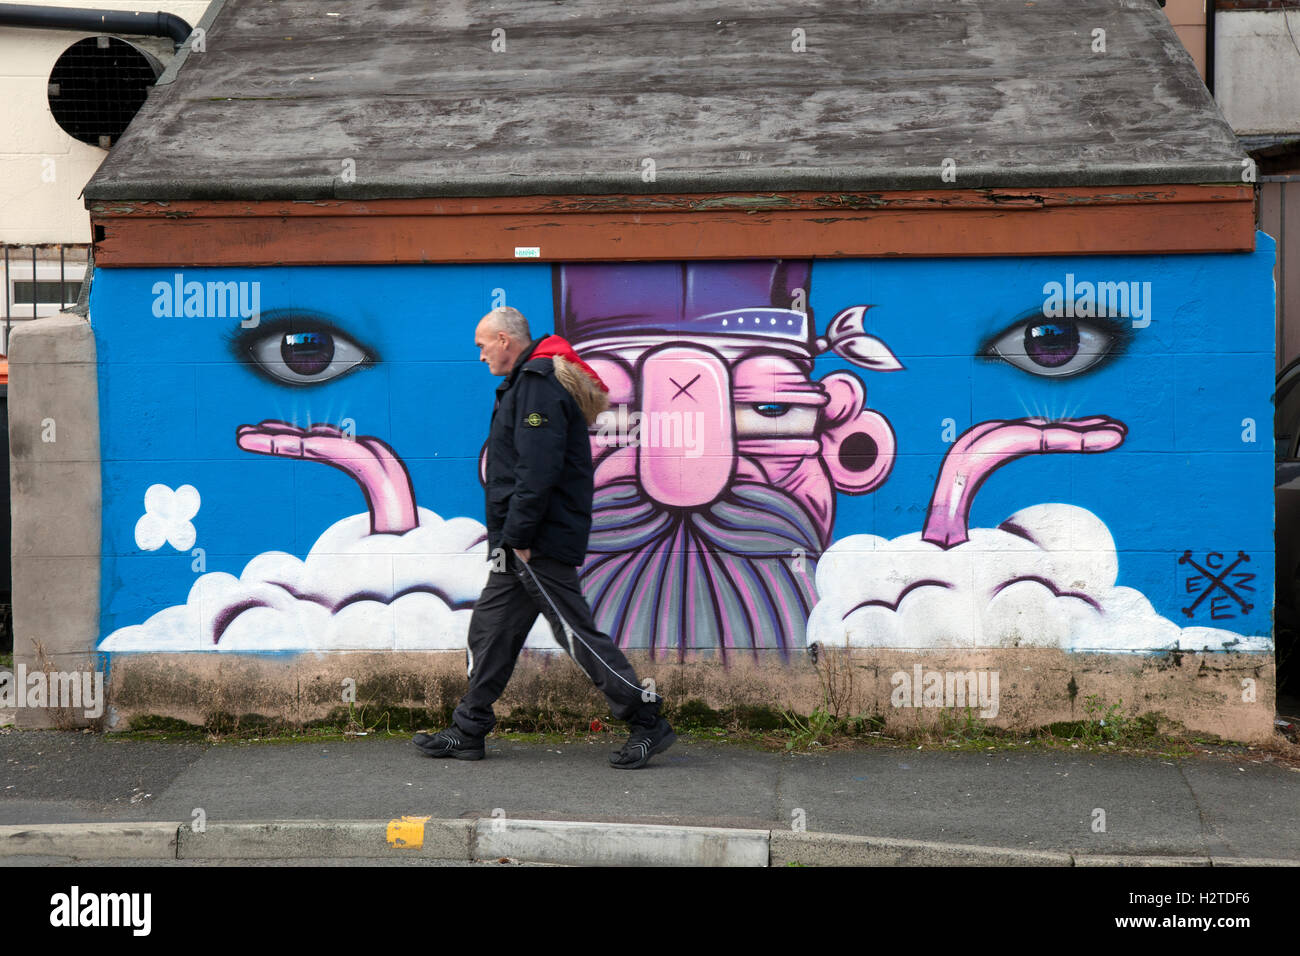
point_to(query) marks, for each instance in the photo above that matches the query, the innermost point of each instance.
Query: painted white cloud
(1044, 578)
(167, 518)
(354, 591)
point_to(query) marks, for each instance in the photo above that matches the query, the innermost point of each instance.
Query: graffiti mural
(706, 525)
(878, 453)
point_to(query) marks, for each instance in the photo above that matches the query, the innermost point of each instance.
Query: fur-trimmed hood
(577, 377)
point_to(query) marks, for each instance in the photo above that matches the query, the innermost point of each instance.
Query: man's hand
(523, 555)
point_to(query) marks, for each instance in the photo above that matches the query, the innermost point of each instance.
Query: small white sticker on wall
(528, 252)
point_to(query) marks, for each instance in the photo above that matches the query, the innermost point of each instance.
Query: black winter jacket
(539, 470)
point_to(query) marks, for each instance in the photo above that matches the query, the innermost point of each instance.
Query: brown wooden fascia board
(971, 222)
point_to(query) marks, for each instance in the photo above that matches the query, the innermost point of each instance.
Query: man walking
(539, 495)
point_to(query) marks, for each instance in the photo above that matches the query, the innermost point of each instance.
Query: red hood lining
(552, 346)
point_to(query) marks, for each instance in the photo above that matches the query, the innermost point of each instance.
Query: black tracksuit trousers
(503, 616)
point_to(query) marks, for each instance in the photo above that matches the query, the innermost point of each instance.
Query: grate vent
(97, 85)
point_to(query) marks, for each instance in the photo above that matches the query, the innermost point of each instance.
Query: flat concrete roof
(312, 99)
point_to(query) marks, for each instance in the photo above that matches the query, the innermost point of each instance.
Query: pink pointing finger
(985, 447)
(379, 471)
(1095, 438)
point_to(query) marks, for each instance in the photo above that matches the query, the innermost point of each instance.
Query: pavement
(82, 797)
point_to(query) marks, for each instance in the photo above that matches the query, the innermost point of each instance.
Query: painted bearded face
(716, 473)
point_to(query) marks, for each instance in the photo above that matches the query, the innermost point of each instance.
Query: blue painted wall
(1184, 494)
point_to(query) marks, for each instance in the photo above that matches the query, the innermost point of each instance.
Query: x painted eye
(1057, 347)
(771, 409)
(299, 349)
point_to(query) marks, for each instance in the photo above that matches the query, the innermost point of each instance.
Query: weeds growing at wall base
(1104, 729)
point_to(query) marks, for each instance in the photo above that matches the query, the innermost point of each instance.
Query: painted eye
(775, 420)
(1051, 345)
(300, 349)
(1057, 347)
(307, 353)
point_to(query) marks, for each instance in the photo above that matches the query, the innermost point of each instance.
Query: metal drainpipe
(95, 21)
(1209, 45)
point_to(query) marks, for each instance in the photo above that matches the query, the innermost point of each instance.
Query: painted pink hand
(985, 447)
(374, 465)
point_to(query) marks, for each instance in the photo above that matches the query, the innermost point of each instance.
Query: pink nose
(686, 449)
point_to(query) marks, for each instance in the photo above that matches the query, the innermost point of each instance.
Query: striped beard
(734, 576)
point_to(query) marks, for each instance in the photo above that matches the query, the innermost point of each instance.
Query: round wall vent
(98, 85)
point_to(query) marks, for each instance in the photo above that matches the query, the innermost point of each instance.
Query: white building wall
(1257, 69)
(42, 168)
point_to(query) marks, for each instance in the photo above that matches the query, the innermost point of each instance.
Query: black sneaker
(643, 744)
(452, 742)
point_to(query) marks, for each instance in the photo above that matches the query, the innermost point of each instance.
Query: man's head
(501, 337)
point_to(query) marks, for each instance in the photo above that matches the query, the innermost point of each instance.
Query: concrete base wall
(1229, 695)
(55, 501)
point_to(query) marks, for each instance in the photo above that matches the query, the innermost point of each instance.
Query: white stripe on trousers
(570, 634)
